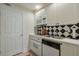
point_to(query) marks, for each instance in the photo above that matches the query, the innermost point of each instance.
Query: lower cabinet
(77, 49)
(69, 50)
(35, 45)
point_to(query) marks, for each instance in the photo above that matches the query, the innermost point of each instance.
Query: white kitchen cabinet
(35, 45)
(68, 50)
(49, 51)
(41, 17)
(77, 50)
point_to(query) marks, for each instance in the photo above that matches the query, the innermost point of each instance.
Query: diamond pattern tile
(62, 26)
(62, 35)
(66, 34)
(54, 28)
(66, 28)
(50, 28)
(59, 33)
(74, 27)
(69, 36)
(59, 28)
(77, 24)
(62, 30)
(77, 31)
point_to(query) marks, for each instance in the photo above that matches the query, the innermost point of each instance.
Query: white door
(11, 29)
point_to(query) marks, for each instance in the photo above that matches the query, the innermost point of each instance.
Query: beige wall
(63, 13)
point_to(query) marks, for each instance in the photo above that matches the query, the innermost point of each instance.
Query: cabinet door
(77, 50)
(41, 17)
(49, 51)
(35, 47)
(68, 50)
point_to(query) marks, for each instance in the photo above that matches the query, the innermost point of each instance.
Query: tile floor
(24, 54)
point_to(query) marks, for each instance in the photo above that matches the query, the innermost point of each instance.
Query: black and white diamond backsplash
(68, 30)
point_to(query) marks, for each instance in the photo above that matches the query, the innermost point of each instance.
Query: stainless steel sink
(57, 37)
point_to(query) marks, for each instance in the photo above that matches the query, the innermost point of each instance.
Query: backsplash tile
(68, 30)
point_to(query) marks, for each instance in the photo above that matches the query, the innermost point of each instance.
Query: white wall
(63, 13)
(28, 25)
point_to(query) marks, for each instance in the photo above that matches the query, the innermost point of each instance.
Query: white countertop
(64, 40)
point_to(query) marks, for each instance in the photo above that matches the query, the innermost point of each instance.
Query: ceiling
(31, 6)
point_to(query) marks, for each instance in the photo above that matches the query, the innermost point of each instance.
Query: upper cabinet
(51, 15)
(62, 13)
(41, 17)
(65, 13)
